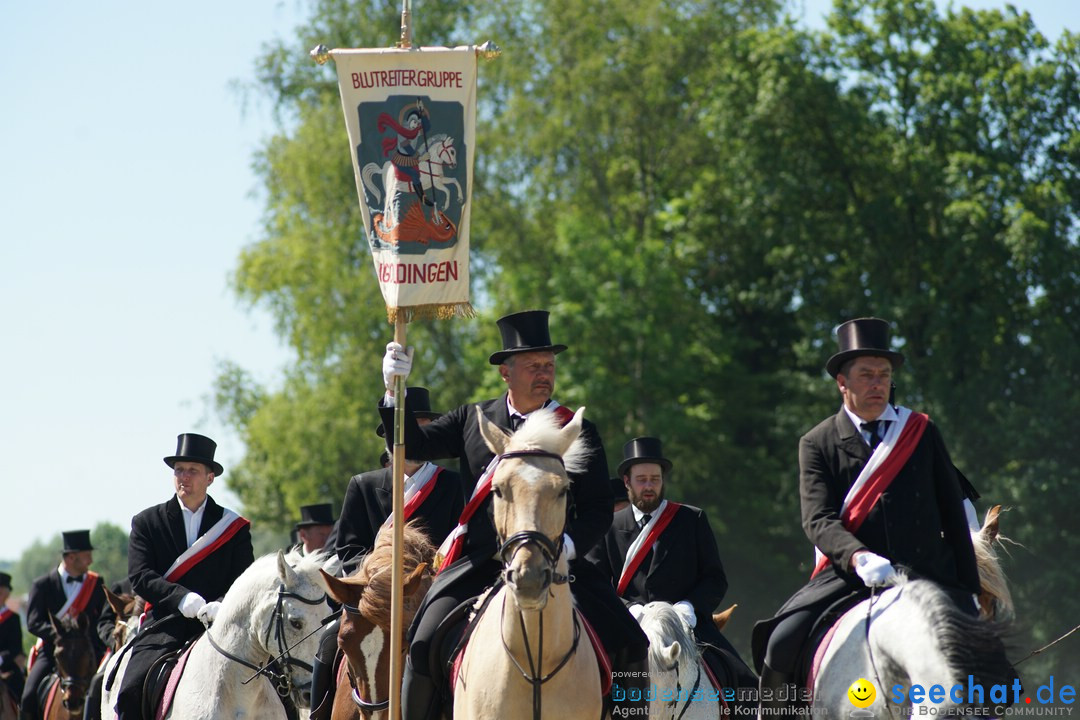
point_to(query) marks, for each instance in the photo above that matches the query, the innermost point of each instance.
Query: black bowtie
(516, 421)
(74, 578)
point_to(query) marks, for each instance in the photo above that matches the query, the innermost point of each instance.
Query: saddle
(161, 680)
(820, 635)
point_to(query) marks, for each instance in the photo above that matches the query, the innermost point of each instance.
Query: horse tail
(367, 175)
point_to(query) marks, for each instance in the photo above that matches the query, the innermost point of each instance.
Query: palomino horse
(679, 681)
(76, 661)
(528, 655)
(363, 689)
(267, 622)
(913, 634)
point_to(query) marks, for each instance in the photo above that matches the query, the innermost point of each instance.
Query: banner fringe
(438, 311)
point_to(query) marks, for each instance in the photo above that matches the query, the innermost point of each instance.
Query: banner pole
(406, 25)
(397, 577)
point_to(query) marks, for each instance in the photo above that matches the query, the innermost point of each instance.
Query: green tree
(699, 192)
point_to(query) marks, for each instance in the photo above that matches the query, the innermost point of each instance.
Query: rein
(276, 669)
(870, 650)
(531, 676)
(678, 691)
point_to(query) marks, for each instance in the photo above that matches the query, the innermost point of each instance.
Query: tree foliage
(700, 192)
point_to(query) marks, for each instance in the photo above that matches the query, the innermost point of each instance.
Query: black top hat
(524, 332)
(5, 580)
(418, 401)
(76, 541)
(195, 448)
(643, 449)
(320, 514)
(860, 337)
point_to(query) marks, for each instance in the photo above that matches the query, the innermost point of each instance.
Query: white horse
(676, 671)
(273, 610)
(917, 636)
(529, 655)
(435, 158)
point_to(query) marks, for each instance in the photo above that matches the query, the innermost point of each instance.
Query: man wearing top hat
(433, 499)
(912, 514)
(315, 526)
(12, 658)
(183, 555)
(69, 591)
(660, 550)
(527, 365)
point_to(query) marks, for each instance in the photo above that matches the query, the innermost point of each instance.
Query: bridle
(678, 691)
(366, 707)
(277, 669)
(551, 550)
(72, 682)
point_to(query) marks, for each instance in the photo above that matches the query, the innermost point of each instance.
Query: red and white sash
(881, 469)
(422, 483)
(220, 533)
(6, 614)
(452, 546)
(635, 554)
(75, 605)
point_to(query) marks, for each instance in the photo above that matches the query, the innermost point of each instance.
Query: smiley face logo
(861, 693)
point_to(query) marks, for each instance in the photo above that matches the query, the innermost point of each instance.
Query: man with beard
(659, 550)
(527, 366)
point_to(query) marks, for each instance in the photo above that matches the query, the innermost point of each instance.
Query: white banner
(411, 117)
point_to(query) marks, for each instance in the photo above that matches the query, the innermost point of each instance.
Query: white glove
(636, 610)
(191, 605)
(208, 612)
(568, 547)
(874, 570)
(686, 612)
(396, 361)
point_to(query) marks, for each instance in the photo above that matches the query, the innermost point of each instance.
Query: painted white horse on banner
(436, 157)
(917, 636)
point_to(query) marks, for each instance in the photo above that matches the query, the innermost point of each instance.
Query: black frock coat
(918, 523)
(47, 595)
(369, 500)
(683, 564)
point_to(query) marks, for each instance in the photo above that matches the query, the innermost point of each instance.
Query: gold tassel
(436, 311)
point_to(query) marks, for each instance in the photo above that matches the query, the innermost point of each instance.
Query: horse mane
(376, 573)
(670, 626)
(971, 646)
(541, 432)
(992, 576)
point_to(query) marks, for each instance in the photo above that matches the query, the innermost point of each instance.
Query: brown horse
(76, 661)
(363, 687)
(125, 607)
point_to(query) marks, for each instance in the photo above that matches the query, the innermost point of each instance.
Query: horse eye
(497, 491)
(562, 493)
(297, 624)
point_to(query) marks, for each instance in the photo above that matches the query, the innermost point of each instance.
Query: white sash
(635, 547)
(876, 459)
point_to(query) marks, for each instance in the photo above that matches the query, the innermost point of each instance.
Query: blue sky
(126, 195)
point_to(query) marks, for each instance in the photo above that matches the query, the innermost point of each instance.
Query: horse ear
(495, 437)
(285, 571)
(990, 528)
(344, 592)
(413, 582)
(670, 654)
(571, 431)
(115, 601)
(721, 619)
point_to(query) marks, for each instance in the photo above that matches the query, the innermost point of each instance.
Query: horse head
(127, 608)
(530, 487)
(75, 659)
(365, 599)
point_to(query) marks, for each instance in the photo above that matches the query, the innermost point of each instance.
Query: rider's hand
(637, 610)
(191, 605)
(568, 547)
(208, 612)
(396, 361)
(686, 612)
(874, 570)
